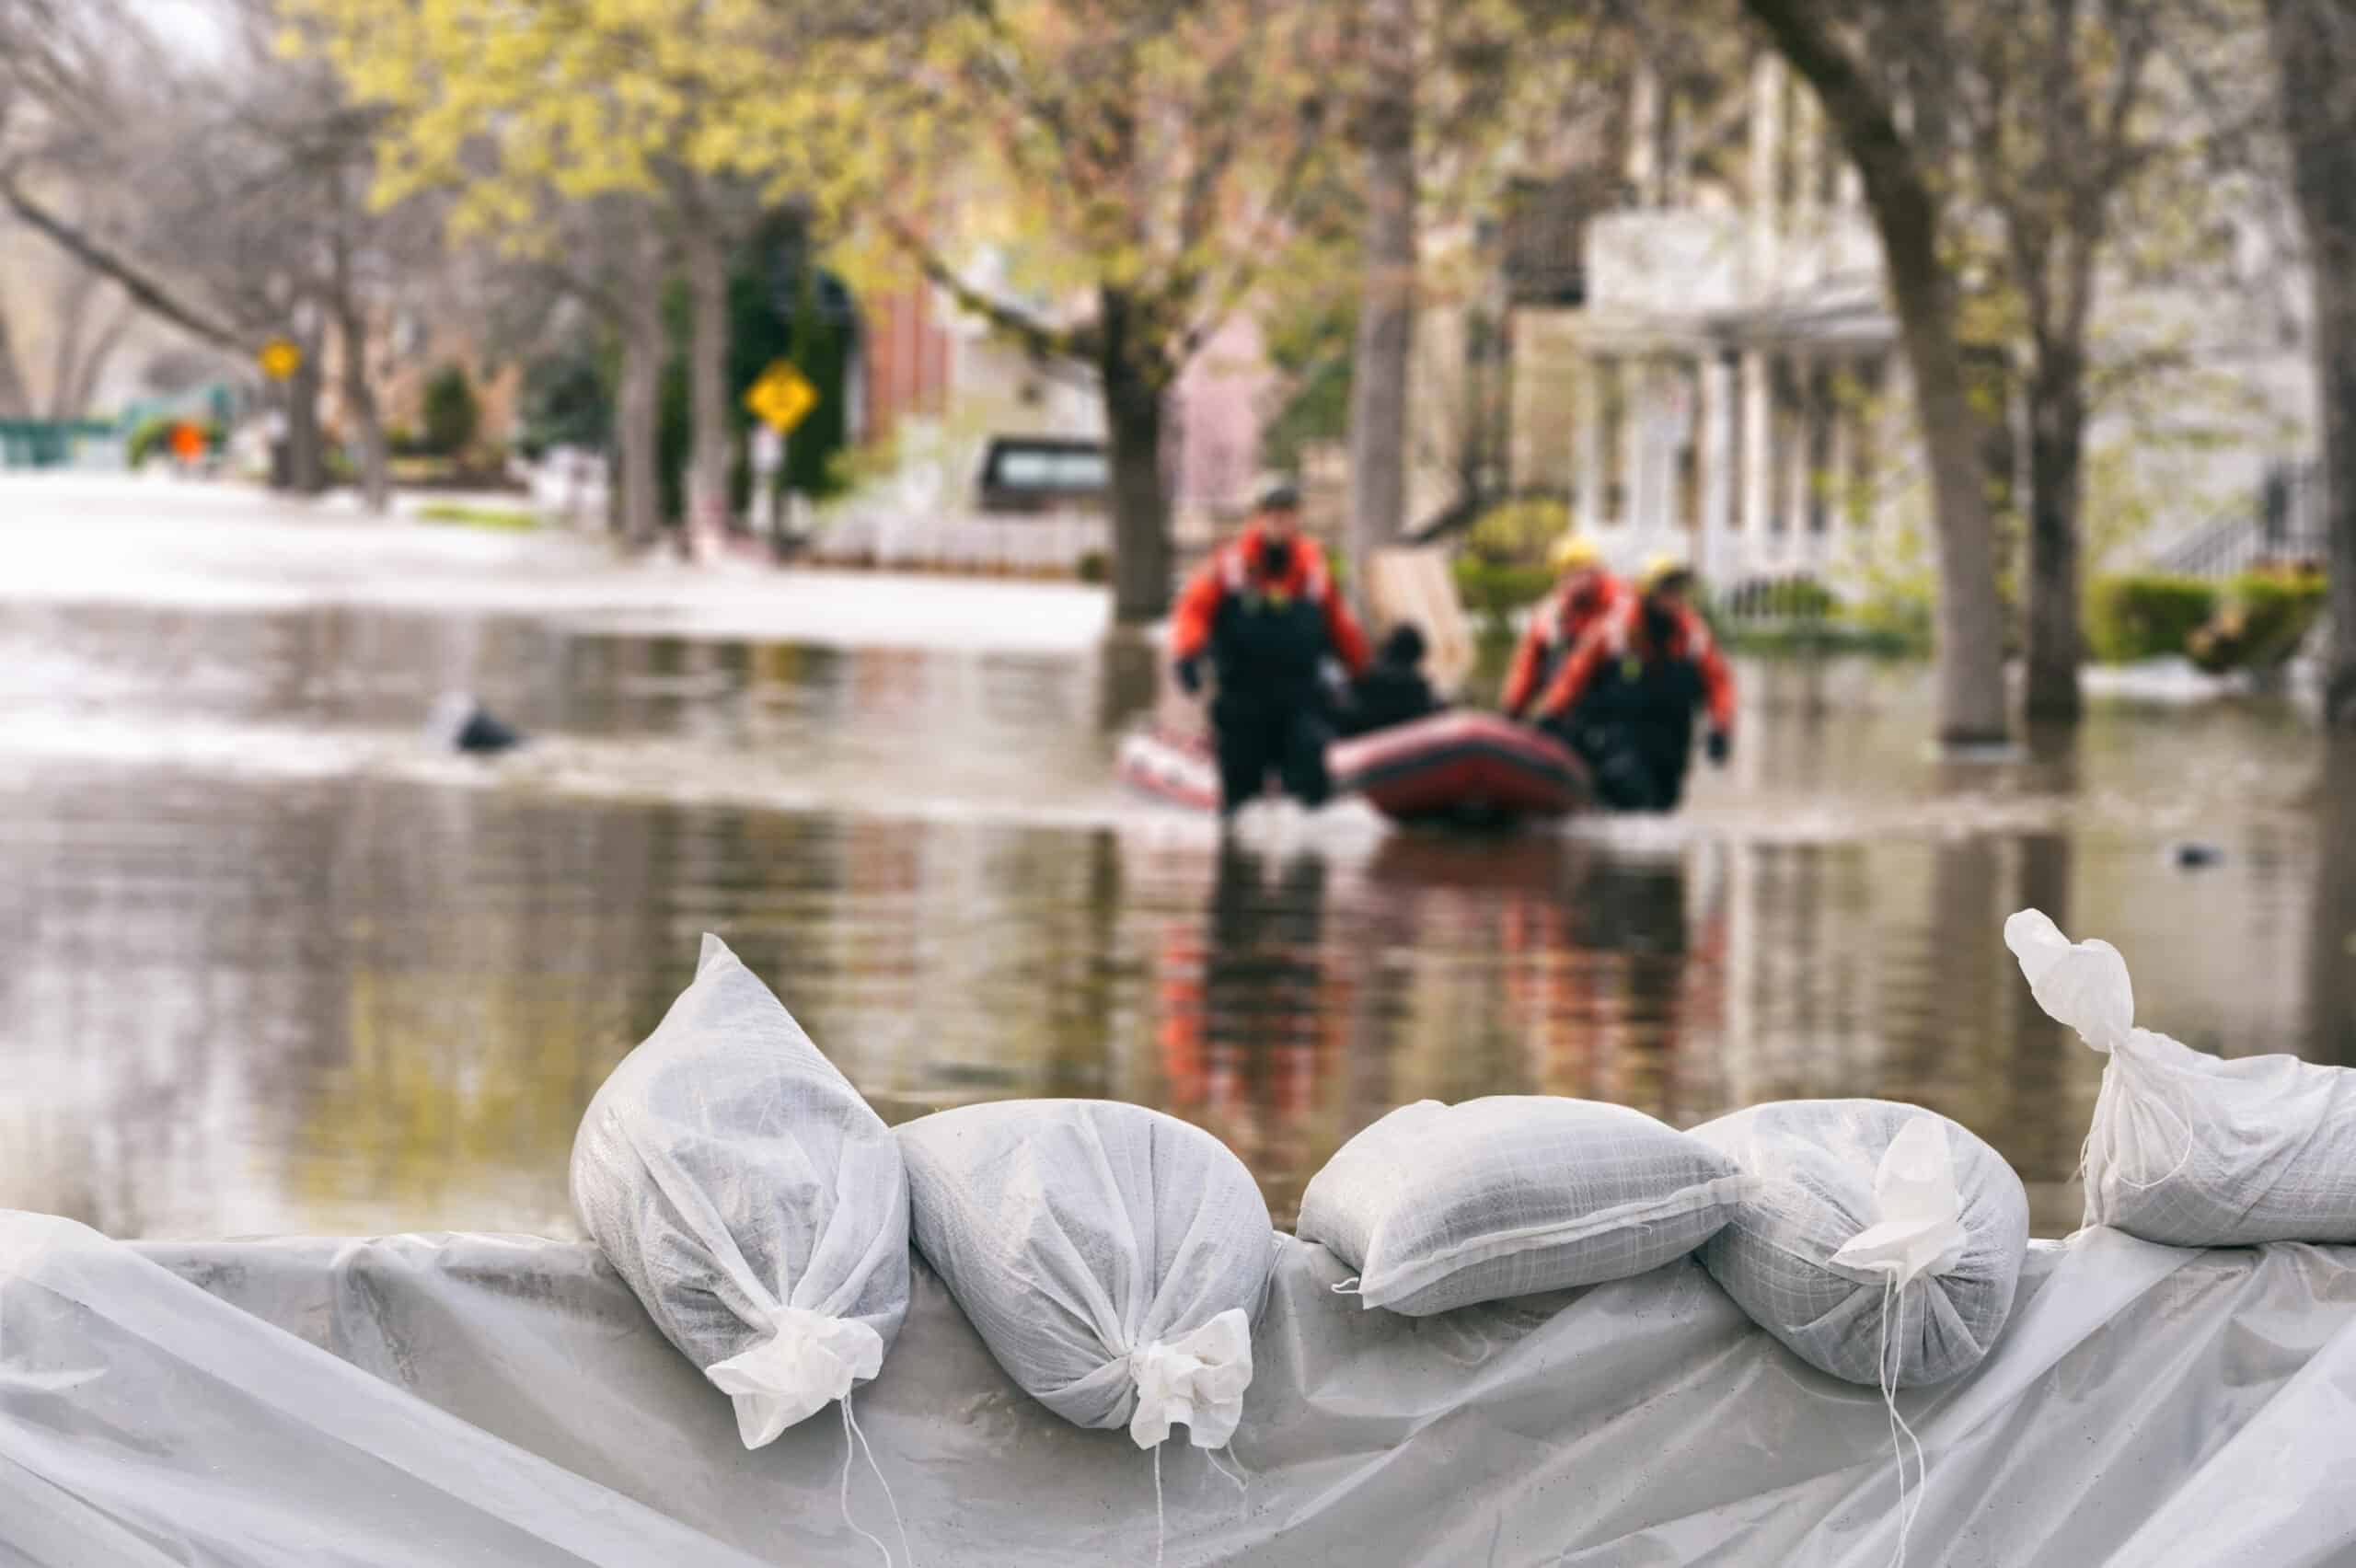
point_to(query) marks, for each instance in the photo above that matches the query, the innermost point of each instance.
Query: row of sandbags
(1113, 1258)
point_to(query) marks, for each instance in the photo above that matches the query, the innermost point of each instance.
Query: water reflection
(377, 995)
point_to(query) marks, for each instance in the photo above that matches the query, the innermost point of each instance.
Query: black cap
(1282, 496)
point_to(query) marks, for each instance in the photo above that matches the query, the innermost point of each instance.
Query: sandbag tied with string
(2188, 1148)
(751, 1199)
(1112, 1258)
(1881, 1242)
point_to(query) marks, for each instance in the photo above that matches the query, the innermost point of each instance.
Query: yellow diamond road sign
(280, 358)
(782, 398)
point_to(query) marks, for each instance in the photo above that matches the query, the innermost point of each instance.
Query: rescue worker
(1265, 614)
(1584, 593)
(1393, 690)
(1625, 697)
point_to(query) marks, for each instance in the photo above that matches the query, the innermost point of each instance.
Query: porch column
(1716, 438)
(1839, 521)
(1799, 470)
(1636, 394)
(1758, 448)
(1587, 402)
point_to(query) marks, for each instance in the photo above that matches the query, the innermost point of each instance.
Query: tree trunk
(2331, 959)
(14, 403)
(307, 468)
(2314, 55)
(1131, 373)
(360, 398)
(2056, 495)
(72, 320)
(712, 444)
(637, 423)
(1386, 326)
(1969, 625)
(84, 390)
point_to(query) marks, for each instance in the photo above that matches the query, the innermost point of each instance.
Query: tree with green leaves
(1144, 163)
(638, 133)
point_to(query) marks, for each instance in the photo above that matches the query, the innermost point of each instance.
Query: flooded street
(275, 965)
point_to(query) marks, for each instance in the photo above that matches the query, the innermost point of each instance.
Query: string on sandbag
(850, 1429)
(1893, 1349)
(1210, 1457)
(890, 1502)
(1161, 1521)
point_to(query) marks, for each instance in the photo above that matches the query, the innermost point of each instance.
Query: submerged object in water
(1465, 767)
(462, 723)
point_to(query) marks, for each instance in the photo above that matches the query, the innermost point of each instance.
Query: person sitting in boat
(1626, 696)
(1264, 614)
(1585, 593)
(1393, 690)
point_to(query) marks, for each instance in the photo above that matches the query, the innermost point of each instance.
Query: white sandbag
(2189, 1148)
(755, 1204)
(1112, 1258)
(1882, 1243)
(1439, 1207)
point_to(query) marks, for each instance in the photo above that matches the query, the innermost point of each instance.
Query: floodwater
(274, 964)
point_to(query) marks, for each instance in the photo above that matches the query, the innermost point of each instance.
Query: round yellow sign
(280, 358)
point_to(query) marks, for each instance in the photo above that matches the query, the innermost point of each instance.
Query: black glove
(1190, 676)
(1719, 745)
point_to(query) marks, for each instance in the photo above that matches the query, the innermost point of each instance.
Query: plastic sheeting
(481, 1400)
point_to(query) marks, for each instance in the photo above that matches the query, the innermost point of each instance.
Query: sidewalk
(116, 539)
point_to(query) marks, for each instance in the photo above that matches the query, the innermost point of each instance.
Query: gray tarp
(489, 1399)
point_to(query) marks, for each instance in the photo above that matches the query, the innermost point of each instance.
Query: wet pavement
(276, 964)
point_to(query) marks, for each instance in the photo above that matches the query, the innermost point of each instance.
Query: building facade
(1727, 387)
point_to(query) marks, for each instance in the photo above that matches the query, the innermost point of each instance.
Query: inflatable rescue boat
(1467, 767)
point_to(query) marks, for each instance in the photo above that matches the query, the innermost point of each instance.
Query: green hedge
(2145, 616)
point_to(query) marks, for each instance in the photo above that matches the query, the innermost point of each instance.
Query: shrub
(2145, 614)
(2261, 621)
(1494, 590)
(449, 412)
(154, 438)
(1519, 531)
(1092, 567)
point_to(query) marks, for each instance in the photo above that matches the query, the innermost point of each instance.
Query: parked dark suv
(1026, 474)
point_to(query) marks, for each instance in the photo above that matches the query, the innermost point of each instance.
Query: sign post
(781, 399)
(768, 456)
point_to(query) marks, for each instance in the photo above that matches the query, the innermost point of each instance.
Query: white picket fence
(1051, 543)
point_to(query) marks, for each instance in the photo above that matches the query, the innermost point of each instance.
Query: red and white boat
(1468, 767)
(1176, 768)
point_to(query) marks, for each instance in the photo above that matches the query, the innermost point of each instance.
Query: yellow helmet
(1658, 569)
(1574, 552)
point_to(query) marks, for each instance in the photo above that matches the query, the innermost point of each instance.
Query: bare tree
(2314, 57)
(268, 234)
(1386, 325)
(1901, 167)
